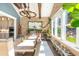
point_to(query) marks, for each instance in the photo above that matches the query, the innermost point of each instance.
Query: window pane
(59, 27)
(70, 32)
(53, 27)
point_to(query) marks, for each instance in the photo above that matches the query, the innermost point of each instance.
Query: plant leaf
(77, 6)
(69, 6)
(75, 14)
(74, 23)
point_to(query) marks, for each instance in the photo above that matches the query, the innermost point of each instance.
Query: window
(59, 27)
(53, 27)
(70, 32)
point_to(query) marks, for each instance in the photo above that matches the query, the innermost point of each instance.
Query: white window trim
(63, 25)
(56, 16)
(56, 27)
(77, 37)
(52, 27)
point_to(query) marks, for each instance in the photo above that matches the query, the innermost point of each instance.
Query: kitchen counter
(4, 30)
(4, 33)
(6, 47)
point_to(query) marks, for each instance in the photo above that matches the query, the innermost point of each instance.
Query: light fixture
(28, 13)
(24, 10)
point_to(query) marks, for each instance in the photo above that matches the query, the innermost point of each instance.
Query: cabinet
(5, 24)
(6, 47)
(11, 23)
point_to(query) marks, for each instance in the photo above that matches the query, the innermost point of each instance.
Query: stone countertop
(4, 30)
(5, 40)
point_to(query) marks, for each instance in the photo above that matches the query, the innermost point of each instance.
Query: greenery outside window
(59, 27)
(70, 31)
(53, 27)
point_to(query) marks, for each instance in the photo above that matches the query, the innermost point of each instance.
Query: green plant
(49, 20)
(49, 32)
(73, 9)
(69, 6)
(59, 31)
(75, 22)
(71, 39)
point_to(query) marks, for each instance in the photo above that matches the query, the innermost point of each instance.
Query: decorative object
(24, 10)
(75, 22)
(34, 26)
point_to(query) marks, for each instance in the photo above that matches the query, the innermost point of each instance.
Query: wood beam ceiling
(18, 5)
(39, 9)
(24, 4)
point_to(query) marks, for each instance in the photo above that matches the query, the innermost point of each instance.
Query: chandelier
(24, 10)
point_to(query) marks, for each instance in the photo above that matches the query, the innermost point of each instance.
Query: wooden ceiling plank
(17, 5)
(20, 4)
(39, 9)
(24, 5)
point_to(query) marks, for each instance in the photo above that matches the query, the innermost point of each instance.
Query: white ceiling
(46, 9)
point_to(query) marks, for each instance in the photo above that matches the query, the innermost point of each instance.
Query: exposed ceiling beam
(17, 5)
(39, 10)
(16, 9)
(24, 5)
(20, 4)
